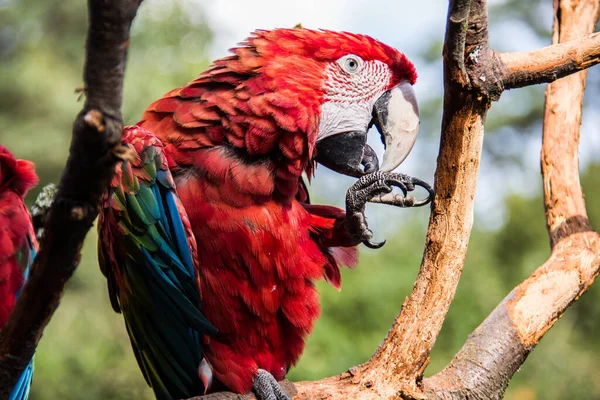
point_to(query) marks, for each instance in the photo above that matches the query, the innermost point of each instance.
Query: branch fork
(474, 76)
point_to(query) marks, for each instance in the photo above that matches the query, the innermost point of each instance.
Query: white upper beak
(397, 119)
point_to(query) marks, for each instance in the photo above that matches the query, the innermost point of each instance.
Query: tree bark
(94, 151)
(484, 366)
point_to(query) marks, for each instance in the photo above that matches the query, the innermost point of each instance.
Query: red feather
(16, 229)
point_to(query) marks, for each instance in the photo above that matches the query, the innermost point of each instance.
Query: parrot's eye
(351, 64)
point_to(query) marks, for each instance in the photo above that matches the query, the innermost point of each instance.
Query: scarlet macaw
(18, 244)
(236, 141)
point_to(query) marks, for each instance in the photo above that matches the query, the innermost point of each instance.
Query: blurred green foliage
(85, 352)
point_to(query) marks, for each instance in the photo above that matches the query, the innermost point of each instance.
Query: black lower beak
(347, 153)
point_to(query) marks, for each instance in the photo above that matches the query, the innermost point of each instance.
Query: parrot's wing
(148, 253)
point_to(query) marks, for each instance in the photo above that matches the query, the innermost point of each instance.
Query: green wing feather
(147, 252)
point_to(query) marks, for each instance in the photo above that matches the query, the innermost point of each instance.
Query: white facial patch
(349, 98)
(337, 117)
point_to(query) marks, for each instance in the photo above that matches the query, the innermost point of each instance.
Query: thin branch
(96, 134)
(550, 63)
(501, 344)
(563, 196)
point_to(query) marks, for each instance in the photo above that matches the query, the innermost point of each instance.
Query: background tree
(87, 341)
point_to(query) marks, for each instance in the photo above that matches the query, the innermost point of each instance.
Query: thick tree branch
(500, 345)
(96, 134)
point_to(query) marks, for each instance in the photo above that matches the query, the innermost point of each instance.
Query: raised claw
(377, 187)
(368, 186)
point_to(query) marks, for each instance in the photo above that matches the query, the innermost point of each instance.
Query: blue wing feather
(145, 253)
(180, 234)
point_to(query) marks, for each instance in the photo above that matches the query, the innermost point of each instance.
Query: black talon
(401, 185)
(430, 191)
(373, 245)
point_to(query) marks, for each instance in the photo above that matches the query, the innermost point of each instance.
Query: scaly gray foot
(367, 187)
(266, 387)
(377, 187)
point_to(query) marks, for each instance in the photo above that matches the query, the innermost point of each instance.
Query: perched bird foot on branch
(266, 387)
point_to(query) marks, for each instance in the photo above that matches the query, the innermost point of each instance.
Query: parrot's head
(345, 84)
(17, 175)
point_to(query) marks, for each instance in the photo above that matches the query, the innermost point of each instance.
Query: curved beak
(396, 116)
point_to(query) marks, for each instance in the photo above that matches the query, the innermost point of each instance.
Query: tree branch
(96, 134)
(500, 345)
(550, 63)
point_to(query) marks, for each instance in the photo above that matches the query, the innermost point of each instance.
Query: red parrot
(18, 244)
(236, 142)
